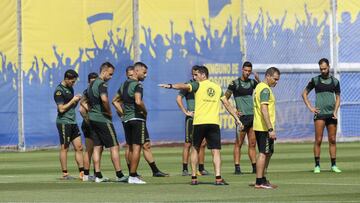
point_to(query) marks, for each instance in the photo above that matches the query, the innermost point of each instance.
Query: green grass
(34, 177)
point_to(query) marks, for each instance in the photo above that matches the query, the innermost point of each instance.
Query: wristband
(270, 130)
(170, 86)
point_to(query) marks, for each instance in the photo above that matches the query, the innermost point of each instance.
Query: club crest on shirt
(58, 93)
(210, 92)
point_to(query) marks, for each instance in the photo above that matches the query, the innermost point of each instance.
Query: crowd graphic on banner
(267, 41)
(170, 58)
(349, 44)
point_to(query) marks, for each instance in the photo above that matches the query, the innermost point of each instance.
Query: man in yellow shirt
(264, 124)
(206, 118)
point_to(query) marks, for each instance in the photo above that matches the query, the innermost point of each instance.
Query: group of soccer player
(97, 125)
(254, 117)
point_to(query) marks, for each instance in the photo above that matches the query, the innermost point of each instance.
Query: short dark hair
(129, 68)
(202, 69)
(71, 74)
(324, 60)
(195, 67)
(271, 71)
(140, 64)
(92, 75)
(247, 64)
(106, 65)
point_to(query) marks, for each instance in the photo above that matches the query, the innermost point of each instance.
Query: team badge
(58, 93)
(211, 92)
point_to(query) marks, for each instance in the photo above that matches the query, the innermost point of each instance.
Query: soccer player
(129, 114)
(66, 122)
(264, 124)
(189, 113)
(327, 89)
(242, 89)
(100, 117)
(206, 119)
(88, 133)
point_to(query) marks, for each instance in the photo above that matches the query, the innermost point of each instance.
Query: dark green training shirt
(63, 95)
(96, 113)
(325, 89)
(189, 97)
(127, 92)
(242, 92)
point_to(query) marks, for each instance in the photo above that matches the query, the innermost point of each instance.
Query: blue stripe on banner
(99, 17)
(215, 6)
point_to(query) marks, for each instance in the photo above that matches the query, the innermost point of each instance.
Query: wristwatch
(270, 130)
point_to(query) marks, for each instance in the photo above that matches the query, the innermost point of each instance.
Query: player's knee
(78, 148)
(252, 144)
(146, 146)
(332, 141)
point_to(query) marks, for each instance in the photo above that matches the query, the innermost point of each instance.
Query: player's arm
(177, 86)
(138, 99)
(84, 113)
(231, 88)
(105, 99)
(231, 110)
(305, 97)
(117, 103)
(59, 99)
(337, 100)
(179, 101)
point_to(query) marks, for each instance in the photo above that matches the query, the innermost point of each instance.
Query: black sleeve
(310, 85)
(183, 93)
(139, 88)
(58, 97)
(103, 89)
(232, 86)
(255, 83)
(85, 94)
(337, 88)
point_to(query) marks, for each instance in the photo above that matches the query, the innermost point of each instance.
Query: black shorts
(104, 134)
(67, 132)
(264, 143)
(136, 132)
(328, 118)
(188, 129)
(86, 129)
(211, 132)
(247, 121)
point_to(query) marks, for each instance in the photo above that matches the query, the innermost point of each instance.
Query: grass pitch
(34, 177)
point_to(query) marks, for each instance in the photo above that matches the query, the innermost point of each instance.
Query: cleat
(335, 169)
(135, 180)
(102, 180)
(123, 179)
(160, 174)
(220, 182)
(85, 178)
(81, 175)
(237, 172)
(264, 186)
(194, 182)
(204, 172)
(66, 176)
(185, 173)
(198, 173)
(88, 178)
(317, 169)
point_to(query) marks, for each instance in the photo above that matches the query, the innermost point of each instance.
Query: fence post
(335, 53)
(136, 26)
(20, 91)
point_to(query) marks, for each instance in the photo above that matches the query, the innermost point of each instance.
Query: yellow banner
(8, 36)
(72, 29)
